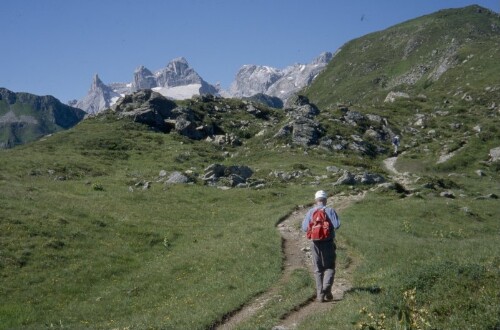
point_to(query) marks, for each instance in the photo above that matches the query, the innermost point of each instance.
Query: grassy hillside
(445, 55)
(81, 250)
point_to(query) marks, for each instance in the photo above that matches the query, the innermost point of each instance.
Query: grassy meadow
(84, 246)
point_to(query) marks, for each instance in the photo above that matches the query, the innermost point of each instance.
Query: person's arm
(332, 215)
(305, 222)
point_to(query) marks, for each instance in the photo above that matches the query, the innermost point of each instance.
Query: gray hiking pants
(323, 258)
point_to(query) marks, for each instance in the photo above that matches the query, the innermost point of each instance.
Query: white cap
(320, 194)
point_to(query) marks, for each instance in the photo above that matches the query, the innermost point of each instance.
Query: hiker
(320, 223)
(395, 143)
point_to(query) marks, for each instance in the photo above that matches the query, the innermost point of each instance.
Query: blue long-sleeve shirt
(332, 215)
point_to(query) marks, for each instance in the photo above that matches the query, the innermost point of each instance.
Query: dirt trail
(389, 164)
(406, 179)
(296, 255)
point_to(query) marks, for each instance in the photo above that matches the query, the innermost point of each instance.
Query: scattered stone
(374, 118)
(347, 179)
(229, 175)
(177, 178)
(333, 169)
(480, 173)
(162, 174)
(447, 194)
(489, 196)
(393, 96)
(495, 154)
(369, 178)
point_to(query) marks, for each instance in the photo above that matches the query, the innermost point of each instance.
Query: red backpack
(320, 226)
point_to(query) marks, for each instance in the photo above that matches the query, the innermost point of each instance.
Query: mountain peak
(96, 83)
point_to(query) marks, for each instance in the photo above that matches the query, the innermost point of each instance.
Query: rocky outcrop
(227, 175)
(302, 129)
(362, 178)
(146, 107)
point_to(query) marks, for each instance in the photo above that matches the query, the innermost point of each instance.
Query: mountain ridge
(25, 117)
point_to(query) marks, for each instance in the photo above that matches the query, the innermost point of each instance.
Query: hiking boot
(329, 296)
(320, 298)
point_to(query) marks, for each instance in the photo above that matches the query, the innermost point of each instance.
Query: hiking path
(296, 255)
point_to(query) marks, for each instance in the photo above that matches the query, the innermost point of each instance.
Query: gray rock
(231, 175)
(489, 196)
(177, 178)
(495, 154)
(369, 178)
(374, 118)
(347, 178)
(447, 194)
(333, 169)
(393, 96)
(353, 118)
(480, 173)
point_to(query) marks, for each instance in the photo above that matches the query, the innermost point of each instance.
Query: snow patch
(179, 92)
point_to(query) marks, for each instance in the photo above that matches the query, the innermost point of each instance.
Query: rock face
(26, 117)
(258, 79)
(302, 128)
(143, 79)
(177, 81)
(99, 97)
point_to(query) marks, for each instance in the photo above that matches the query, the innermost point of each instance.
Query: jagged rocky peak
(97, 83)
(255, 79)
(99, 97)
(143, 79)
(177, 73)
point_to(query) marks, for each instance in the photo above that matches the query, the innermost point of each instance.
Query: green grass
(431, 244)
(79, 250)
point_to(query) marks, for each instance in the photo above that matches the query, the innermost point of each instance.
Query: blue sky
(54, 47)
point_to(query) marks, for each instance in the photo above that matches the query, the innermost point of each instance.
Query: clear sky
(54, 47)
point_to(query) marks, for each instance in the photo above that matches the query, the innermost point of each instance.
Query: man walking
(320, 224)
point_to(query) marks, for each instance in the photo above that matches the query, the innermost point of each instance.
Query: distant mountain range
(179, 81)
(26, 117)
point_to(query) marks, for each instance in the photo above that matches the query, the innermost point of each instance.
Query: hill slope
(26, 117)
(451, 54)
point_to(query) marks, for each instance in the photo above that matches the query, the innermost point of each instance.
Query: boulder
(393, 96)
(145, 107)
(177, 178)
(354, 118)
(346, 178)
(369, 178)
(447, 194)
(495, 154)
(232, 175)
